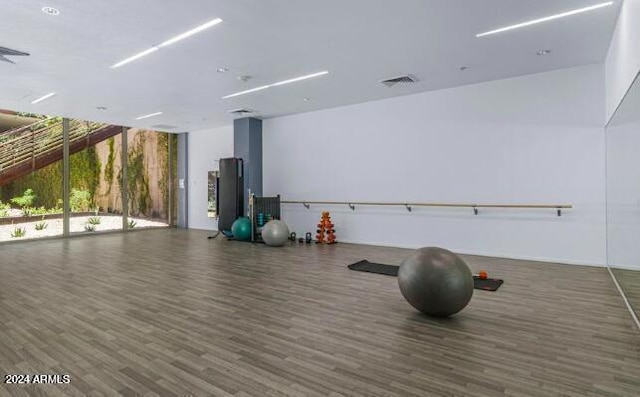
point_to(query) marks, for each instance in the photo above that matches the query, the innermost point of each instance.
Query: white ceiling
(358, 41)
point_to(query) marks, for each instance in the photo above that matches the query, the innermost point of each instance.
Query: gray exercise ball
(436, 281)
(275, 233)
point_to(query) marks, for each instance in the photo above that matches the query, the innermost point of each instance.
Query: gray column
(247, 145)
(183, 175)
(170, 183)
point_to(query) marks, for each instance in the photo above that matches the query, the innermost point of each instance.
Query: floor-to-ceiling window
(30, 176)
(112, 172)
(150, 178)
(95, 181)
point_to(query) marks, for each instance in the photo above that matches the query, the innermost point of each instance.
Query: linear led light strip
(42, 98)
(279, 83)
(172, 40)
(546, 19)
(146, 116)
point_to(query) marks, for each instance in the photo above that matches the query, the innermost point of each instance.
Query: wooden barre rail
(409, 205)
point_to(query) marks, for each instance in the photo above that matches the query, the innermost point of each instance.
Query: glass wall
(151, 178)
(103, 170)
(623, 196)
(30, 176)
(95, 179)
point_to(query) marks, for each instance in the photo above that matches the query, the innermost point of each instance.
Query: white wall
(623, 195)
(205, 148)
(532, 139)
(623, 59)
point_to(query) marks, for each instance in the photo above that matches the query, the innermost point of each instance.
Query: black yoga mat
(366, 266)
(487, 284)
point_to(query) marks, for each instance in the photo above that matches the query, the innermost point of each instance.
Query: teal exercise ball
(241, 229)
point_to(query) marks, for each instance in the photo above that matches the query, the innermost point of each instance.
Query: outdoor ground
(54, 226)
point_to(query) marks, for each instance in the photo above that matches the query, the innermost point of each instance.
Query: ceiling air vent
(406, 79)
(240, 111)
(164, 127)
(8, 52)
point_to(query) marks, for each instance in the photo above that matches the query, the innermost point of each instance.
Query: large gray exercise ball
(436, 281)
(275, 233)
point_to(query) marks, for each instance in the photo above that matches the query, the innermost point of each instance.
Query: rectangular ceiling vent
(164, 127)
(406, 79)
(241, 111)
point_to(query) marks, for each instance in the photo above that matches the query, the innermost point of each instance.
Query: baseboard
(211, 229)
(562, 261)
(625, 267)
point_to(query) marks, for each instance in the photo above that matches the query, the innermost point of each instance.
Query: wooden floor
(629, 281)
(170, 313)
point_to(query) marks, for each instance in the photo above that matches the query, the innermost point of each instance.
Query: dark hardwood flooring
(170, 313)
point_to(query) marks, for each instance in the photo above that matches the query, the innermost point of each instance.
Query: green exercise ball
(241, 229)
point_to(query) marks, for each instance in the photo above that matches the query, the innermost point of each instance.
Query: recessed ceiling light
(166, 43)
(222, 70)
(543, 52)
(42, 98)
(101, 107)
(51, 11)
(463, 68)
(264, 87)
(546, 19)
(146, 116)
(306, 99)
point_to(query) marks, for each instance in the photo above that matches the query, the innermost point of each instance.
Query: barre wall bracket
(306, 205)
(408, 207)
(475, 210)
(353, 207)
